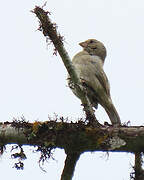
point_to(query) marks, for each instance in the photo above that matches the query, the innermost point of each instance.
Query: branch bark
(74, 137)
(70, 163)
(138, 171)
(49, 30)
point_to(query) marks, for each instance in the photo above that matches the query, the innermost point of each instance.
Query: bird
(88, 65)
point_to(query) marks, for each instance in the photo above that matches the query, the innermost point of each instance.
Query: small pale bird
(89, 67)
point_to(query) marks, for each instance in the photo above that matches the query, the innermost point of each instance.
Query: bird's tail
(107, 104)
(113, 114)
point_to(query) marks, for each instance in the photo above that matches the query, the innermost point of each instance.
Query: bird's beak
(83, 44)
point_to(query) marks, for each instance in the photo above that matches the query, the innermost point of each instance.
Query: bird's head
(94, 47)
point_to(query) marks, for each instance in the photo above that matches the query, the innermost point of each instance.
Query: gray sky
(33, 81)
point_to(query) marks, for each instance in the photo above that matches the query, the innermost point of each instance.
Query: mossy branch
(74, 138)
(49, 30)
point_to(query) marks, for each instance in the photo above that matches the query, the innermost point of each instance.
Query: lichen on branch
(49, 30)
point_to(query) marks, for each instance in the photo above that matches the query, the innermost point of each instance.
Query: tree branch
(73, 137)
(138, 171)
(49, 30)
(70, 163)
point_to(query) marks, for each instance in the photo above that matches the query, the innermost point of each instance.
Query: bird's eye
(91, 41)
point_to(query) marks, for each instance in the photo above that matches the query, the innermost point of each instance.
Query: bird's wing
(90, 69)
(101, 76)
